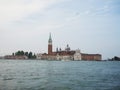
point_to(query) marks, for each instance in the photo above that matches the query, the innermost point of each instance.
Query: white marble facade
(77, 55)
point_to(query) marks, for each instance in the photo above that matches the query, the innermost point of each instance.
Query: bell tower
(50, 45)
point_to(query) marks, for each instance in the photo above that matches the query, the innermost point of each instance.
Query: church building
(67, 54)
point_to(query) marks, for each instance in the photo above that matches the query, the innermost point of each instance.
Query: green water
(59, 75)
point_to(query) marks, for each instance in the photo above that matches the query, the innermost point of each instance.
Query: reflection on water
(58, 75)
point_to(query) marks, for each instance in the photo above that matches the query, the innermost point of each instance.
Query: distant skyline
(93, 26)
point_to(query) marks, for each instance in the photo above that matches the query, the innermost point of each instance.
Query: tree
(34, 56)
(26, 54)
(17, 53)
(30, 55)
(21, 52)
(13, 54)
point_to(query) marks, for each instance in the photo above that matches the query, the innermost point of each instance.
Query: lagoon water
(59, 75)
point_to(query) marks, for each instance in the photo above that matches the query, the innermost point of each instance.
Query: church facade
(67, 54)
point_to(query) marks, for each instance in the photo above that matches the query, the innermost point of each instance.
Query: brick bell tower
(50, 45)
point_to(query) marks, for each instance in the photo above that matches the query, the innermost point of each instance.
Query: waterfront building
(38, 56)
(67, 54)
(15, 57)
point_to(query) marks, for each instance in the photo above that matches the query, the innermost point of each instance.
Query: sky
(93, 26)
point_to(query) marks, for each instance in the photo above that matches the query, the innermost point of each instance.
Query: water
(59, 75)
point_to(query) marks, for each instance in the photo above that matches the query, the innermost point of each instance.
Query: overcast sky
(90, 25)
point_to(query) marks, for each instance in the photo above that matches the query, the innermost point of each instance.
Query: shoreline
(59, 60)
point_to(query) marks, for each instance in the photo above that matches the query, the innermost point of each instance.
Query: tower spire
(50, 35)
(50, 39)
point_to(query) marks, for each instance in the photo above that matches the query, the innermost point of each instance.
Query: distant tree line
(30, 55)
(115, 58)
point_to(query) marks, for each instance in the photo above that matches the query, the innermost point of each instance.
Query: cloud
(102, 8)
(11, 10)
